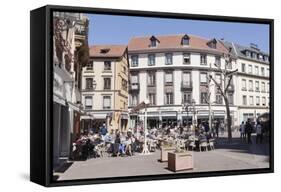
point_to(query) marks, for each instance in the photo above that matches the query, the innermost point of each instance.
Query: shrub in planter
(165, 149)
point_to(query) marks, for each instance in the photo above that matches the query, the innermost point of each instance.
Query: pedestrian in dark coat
(249, 130)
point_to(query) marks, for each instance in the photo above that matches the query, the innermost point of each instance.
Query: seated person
(202, 137)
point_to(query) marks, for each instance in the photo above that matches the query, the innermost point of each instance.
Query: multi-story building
(66, 93)
(172, 70)
(105, 87)
(252, 80)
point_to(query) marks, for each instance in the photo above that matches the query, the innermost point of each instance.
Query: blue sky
(107, 29)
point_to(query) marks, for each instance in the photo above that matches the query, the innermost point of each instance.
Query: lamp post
(194, 113)
(185, 106)
(145, 150)
(94, 85)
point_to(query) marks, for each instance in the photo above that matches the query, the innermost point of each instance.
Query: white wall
(177, 87)
(258, 78)
(177, 75)
(160, 87)
(143, 86)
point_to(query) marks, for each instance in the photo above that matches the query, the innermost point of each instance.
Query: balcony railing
(231, 88)
(186, 86)
(88, 89)
(134, 87)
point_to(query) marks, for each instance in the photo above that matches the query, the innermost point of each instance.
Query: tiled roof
(238, 50)
(173, 42)
(104, 51)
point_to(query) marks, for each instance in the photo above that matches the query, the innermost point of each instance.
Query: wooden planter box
(180, 161)
(164, 153)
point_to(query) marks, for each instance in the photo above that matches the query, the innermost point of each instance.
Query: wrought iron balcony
(134, 87)
(186, 86)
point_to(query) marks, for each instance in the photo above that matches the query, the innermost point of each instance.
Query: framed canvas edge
(48, 103)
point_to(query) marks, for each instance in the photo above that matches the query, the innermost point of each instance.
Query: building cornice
(253, 60)
(183, 49)
(252, 107)
(92, 91)
(171, 106)
(105, 110)
(252, 75)
(172, 67)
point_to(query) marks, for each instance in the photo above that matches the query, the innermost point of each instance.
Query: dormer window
(265, 58)
(153, 41)
(105, 50)
(212, 44)
(254, 55)
(248, 54)
(185, 40)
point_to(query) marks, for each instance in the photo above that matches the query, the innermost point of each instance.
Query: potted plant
(165, 149)
(180, 160)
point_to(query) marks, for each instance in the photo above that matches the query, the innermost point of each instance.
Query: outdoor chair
(203, 144)
(191, 144)
(128, 149)
(212, 144)
(152, 145)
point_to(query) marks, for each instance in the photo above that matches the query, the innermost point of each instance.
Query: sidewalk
(257, 154)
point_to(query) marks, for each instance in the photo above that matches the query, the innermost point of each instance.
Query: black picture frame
(41, 94)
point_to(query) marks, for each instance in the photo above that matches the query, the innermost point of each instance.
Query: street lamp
(194, 112)
(185, 106)
(145, 150)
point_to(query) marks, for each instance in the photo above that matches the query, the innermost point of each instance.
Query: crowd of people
(100, 142)
(115, 143)
(248, 128)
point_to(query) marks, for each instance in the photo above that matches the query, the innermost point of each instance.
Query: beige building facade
(105, 87)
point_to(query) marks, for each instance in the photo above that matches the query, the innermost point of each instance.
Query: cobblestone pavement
(238, 155)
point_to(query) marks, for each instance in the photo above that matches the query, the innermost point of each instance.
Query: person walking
(207, 127)
(217, 128)
(222, 128)
(242, 130)
(259, 133)
(103, 131)
(249, 129)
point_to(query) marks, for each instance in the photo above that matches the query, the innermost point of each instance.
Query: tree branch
(217, 84)
(228, 84)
